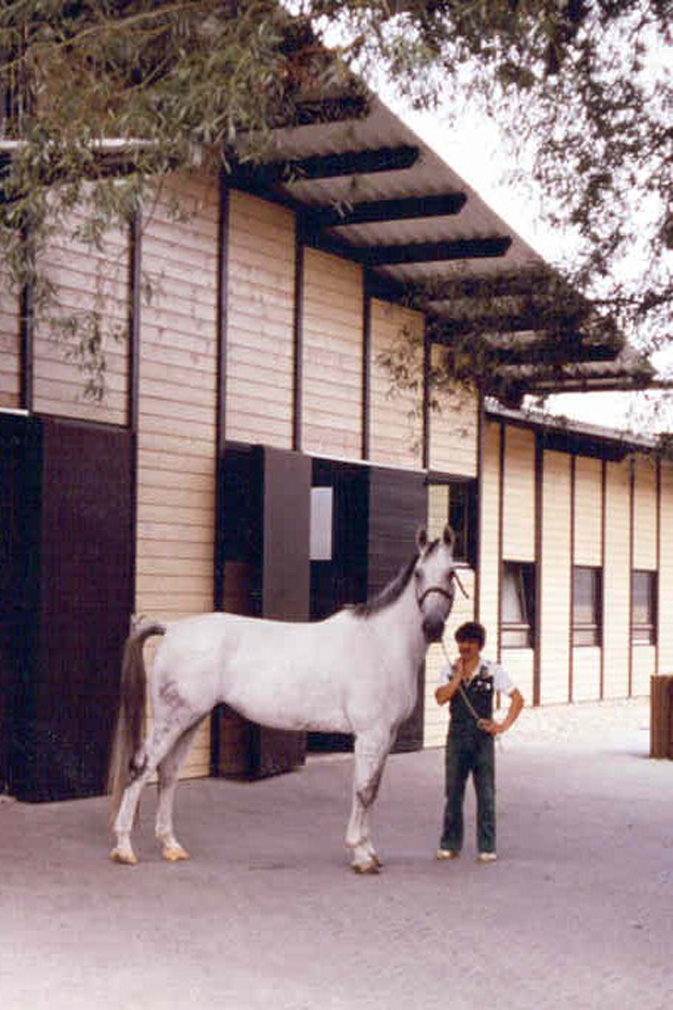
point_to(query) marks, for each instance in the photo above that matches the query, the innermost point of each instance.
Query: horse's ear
(421, 538)
(449, 536)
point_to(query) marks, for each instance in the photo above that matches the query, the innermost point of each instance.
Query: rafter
(327, 166)
(429, 252)
(405, 209)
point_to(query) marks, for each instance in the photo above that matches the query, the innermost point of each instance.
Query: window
(518, 605)
(644, 607)
(455, 502)
(322, 511)
(587, 606)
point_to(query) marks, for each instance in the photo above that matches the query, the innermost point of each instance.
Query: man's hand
(490, 726)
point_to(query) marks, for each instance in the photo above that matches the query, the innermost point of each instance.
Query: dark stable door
(264, 572)
(19, 514)
(80, 566)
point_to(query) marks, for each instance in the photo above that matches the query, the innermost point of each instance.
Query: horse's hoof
(123, 856)
(367, 869)
(175, 853)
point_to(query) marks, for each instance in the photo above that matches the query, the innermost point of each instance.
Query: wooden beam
(308, 112)
(527, 282)
(327, 166)
(514, 322)
(429, 252)
(409, 208)
(553, 353)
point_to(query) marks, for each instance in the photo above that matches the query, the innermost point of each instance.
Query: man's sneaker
(486, 857)
(446, 854)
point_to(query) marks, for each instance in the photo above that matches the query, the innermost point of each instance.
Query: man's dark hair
(471, 631)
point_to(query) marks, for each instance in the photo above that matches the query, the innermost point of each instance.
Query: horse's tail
(131, 713)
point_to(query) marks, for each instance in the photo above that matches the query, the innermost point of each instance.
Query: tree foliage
(582, 84)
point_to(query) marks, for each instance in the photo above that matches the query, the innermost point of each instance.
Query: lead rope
(464, 696)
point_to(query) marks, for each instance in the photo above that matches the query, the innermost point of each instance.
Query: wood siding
(10, 356)
(176, 437)
(489, 534)
(332, 359)
(644, 513)
(554, 572)
(88, 281)
(617, 581)
(588, 521)
(665, 627)
(454, 426)
(260, 319)
(436, 717)
(519, 496)
(395, 424)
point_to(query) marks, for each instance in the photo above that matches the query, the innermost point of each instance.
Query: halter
(420, 600)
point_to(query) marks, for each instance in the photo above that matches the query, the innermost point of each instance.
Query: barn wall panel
(554, 572)
(644, 667)
(519, 496)
(332, 359)
(644, 513)
(617, 580)
(454, 426)
(177, 405)
(586, 673)
(665, 627)
(10, 358)
(436, 717)
(87, 281)
(260, 321)
(395, 419)
(489, 534)
(588, 512)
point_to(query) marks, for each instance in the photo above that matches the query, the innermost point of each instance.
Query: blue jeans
(469, 752)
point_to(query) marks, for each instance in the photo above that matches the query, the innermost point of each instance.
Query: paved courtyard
(577, 912)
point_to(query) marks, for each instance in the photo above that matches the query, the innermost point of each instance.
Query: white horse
(355, 672)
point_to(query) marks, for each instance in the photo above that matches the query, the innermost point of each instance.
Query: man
(468, 686)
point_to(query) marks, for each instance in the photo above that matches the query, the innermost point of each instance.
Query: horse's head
(435, 582)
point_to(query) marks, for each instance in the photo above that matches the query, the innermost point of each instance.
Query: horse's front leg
(371, 751)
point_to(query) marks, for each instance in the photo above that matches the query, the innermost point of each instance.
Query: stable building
(252, 452)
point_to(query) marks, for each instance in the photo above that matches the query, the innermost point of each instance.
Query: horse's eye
(417, 575)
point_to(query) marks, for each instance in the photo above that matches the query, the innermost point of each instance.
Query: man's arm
(516, 703)
(445, 692)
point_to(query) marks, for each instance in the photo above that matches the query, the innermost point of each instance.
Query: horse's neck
(399, 628)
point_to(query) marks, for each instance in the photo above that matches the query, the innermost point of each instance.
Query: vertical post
(537, 642)
(501, 534)
(133, 388)
(298, 326)
(27, 328)
(425, 406)
(221, 387)
(366, 364)
(573, 505)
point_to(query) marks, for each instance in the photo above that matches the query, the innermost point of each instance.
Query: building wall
(616, 581)
(585, 683)
(332, 367)
(665, 638)
(177, 413)
(453, 429)
(10, 364)
(645, 541)
(260, 321)
(554, 573)
(88, 281)
(395, 415)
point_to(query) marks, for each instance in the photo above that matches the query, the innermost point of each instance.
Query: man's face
(468, 650)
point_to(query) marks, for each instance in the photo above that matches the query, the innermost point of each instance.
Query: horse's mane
(390, 592)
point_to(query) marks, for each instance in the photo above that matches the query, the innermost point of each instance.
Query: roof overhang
(370, 190)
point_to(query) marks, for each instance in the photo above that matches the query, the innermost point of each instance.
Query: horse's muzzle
(433, 629)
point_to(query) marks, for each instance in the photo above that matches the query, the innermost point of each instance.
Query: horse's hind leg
(168, 781)
(164, 736)
(371, 751)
